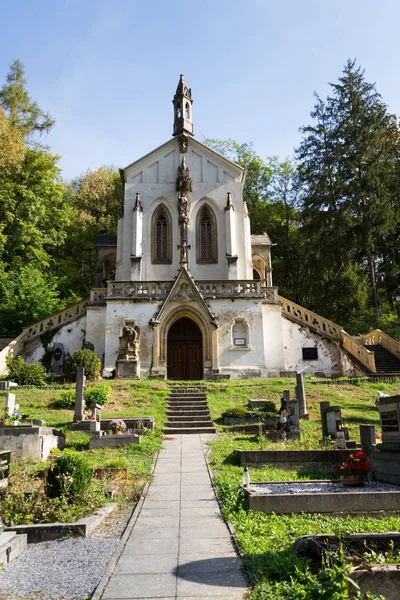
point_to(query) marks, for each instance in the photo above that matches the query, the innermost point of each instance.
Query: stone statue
(129, 343)
(183, 181)
(183, 207)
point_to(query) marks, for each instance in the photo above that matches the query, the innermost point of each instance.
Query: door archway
(185, 350)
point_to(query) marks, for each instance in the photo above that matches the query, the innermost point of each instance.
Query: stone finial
(229, 205)
(138, 206)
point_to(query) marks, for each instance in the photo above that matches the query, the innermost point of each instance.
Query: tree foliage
(23, 113)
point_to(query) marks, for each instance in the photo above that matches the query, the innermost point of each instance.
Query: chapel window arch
(161, 236)
(206, 236)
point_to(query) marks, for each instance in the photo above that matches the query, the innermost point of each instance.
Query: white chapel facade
(183, 303)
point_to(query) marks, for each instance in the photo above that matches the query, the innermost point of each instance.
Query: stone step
(187, 396)
(187, 402)
(189, 424)
(189, 413)
(170, 430)
(196, 418)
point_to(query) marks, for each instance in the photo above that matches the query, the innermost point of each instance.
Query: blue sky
(107, 70)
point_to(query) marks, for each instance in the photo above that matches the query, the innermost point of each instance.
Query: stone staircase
(188, 411)
(385, 362)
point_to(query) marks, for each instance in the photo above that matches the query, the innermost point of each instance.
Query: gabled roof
(194, 142)
(184, 290)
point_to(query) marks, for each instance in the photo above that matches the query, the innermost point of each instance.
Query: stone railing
(237, 289)
(139, 289)
(378, 337)
(209, 289)
(98, 296)
(330, 330)
(301, 315)
(12, 350)
(363, 355)
(62, 317)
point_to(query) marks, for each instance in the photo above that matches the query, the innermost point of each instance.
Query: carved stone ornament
(184, 293)
(129, 343)
(183, 144)
(183, 208)
(183, 181)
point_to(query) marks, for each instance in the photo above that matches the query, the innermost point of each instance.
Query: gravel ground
(267, 489)
(65, 569)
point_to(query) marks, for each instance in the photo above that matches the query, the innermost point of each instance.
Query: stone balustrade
(378, 337)
(209, 289)
(301, 315)
(12, 350)
(328, 329)
(62, 317)
(363, 355)
(98, 296)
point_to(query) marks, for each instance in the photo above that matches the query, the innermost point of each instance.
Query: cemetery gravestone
(79, 395)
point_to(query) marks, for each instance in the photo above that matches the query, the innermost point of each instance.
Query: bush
(86, 359)
(25, 373)
(98, 394)
(65, 400)
(239, 412)
(70, 476)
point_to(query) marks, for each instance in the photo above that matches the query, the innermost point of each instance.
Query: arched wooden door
(184, 350)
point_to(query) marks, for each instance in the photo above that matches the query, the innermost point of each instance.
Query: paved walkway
(179, 547)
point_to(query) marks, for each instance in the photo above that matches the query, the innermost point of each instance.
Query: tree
(26, 295)
(94, 199)
(33, 213)
(259, 172)
(368, 153)
(23, 113)
(347, 162)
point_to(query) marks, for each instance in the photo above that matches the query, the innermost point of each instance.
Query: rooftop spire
(182, 102)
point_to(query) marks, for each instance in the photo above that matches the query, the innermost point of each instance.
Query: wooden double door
(184, 350)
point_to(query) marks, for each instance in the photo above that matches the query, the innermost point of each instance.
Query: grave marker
(301, 396)
(79, 395)
(10, 403)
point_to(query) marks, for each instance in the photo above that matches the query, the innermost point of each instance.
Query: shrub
(26, 373)
(262, 413)
(70, 476)
(82, 358)
(239, 412)
(65, 400)
(98, 394)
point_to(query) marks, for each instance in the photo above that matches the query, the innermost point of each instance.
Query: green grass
(266, 540)
(127, 399)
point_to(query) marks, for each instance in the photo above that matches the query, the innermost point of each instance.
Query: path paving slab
(179, 547)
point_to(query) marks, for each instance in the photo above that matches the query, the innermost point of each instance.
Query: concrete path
(179, 547)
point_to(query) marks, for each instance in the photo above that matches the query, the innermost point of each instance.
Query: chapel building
(185, 290)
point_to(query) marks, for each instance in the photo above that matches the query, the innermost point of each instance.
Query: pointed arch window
(206, 242)
(161, 231)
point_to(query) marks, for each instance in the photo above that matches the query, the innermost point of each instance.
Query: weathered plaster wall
(117, 313)
(240, 362)
(296, 337)
(71, 336)
(96, 329)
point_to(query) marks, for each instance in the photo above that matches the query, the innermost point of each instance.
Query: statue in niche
(183, 181)
(129, 343)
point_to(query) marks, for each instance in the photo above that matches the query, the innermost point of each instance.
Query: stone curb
(47, 532)
(247, 573)
(109, 570)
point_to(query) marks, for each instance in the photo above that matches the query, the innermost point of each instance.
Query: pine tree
(347, 165)
(23, 113)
